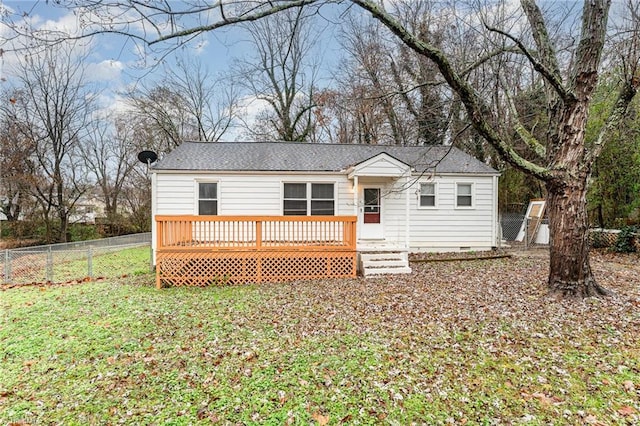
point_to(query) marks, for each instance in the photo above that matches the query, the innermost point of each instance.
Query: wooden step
(382, 263)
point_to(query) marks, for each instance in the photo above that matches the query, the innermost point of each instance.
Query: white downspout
(494, 214)
(407, 214)
(355, 207)
(154, 212)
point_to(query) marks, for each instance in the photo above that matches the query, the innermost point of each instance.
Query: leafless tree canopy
(51, 111)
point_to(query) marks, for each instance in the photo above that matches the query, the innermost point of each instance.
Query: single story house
(218, 204)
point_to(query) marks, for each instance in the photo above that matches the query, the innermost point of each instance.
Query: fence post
(7, 267)
(151, 268)
(90, 263)
(49, 265)
(526, 233)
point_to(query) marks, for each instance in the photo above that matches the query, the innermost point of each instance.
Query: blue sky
(115, 61)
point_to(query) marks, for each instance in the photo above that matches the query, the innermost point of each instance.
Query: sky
(116, 63)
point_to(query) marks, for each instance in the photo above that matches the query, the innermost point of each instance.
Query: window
(207, 198)
(427, 195)
(464, 195)
(296, 200)
(371, 213)
(322, 199)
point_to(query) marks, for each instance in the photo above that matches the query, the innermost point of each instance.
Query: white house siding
(381, 166)
(394, 212)
(246, 195)
(447, 228)
(444, 228)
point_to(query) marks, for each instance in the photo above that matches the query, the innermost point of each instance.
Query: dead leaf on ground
(321, 419)
(627, 410)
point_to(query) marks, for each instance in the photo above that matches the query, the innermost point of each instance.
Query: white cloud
(201, 46)
(107, 70)
(111, 104)
(248, 109)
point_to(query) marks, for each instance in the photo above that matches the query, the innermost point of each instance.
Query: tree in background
(51, 113)
(613, 195)
(109, 154)
(15, 162)
(281, 73)
(189, 103)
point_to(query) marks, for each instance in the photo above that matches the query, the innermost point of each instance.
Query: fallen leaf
(629, 386)
(322, 420)
(626, 410)
(346, 419)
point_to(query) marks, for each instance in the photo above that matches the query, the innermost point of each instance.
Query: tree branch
(477, 111)
(625, 96)
(226, 21)
(522, 131)
(548, 74)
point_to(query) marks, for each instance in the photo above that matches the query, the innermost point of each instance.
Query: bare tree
(416, 80)
(189, 103)
(52, 111)
(109, 154)
(368, 49)
(15, 162)
(569, 69)
(348, 114)
(281, 75)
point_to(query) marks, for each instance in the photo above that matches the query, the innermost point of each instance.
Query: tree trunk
(570, 272)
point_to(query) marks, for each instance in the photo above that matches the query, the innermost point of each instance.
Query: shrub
(625, 240)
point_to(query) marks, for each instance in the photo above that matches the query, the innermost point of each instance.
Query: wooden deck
(205, 250)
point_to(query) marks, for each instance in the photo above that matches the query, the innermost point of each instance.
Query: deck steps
(384, 262)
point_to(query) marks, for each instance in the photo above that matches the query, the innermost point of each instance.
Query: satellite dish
(147, 157)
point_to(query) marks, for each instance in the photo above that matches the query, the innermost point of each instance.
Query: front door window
(372, 205)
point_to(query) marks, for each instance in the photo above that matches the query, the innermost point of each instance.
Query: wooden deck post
(159, 243)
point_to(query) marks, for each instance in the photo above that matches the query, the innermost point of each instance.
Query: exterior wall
(443, 228)
(447, 228)
(381, 166)
(251, 194)
(393, 209)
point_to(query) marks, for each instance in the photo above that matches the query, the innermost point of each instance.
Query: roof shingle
(289, 156)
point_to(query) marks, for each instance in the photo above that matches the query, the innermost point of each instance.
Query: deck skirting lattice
(202, 268)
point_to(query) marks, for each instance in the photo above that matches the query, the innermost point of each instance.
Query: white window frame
(282, 199)
(309, 195)
(197, 197)
(472, 195)
(435, 196)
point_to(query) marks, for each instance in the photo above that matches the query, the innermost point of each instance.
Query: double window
(207, 198)
(302, 199)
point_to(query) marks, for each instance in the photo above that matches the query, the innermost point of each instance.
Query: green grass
(74, 265)
(131, 261)
(395, 351)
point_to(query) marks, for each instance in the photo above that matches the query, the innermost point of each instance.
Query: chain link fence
(55, 263)
(521, 234)
(518, 234)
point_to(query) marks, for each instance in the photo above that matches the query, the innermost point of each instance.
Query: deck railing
(195, 250)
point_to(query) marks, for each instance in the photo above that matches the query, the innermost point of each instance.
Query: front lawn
(473, 342)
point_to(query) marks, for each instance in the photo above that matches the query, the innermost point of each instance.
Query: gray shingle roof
(288, 156)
